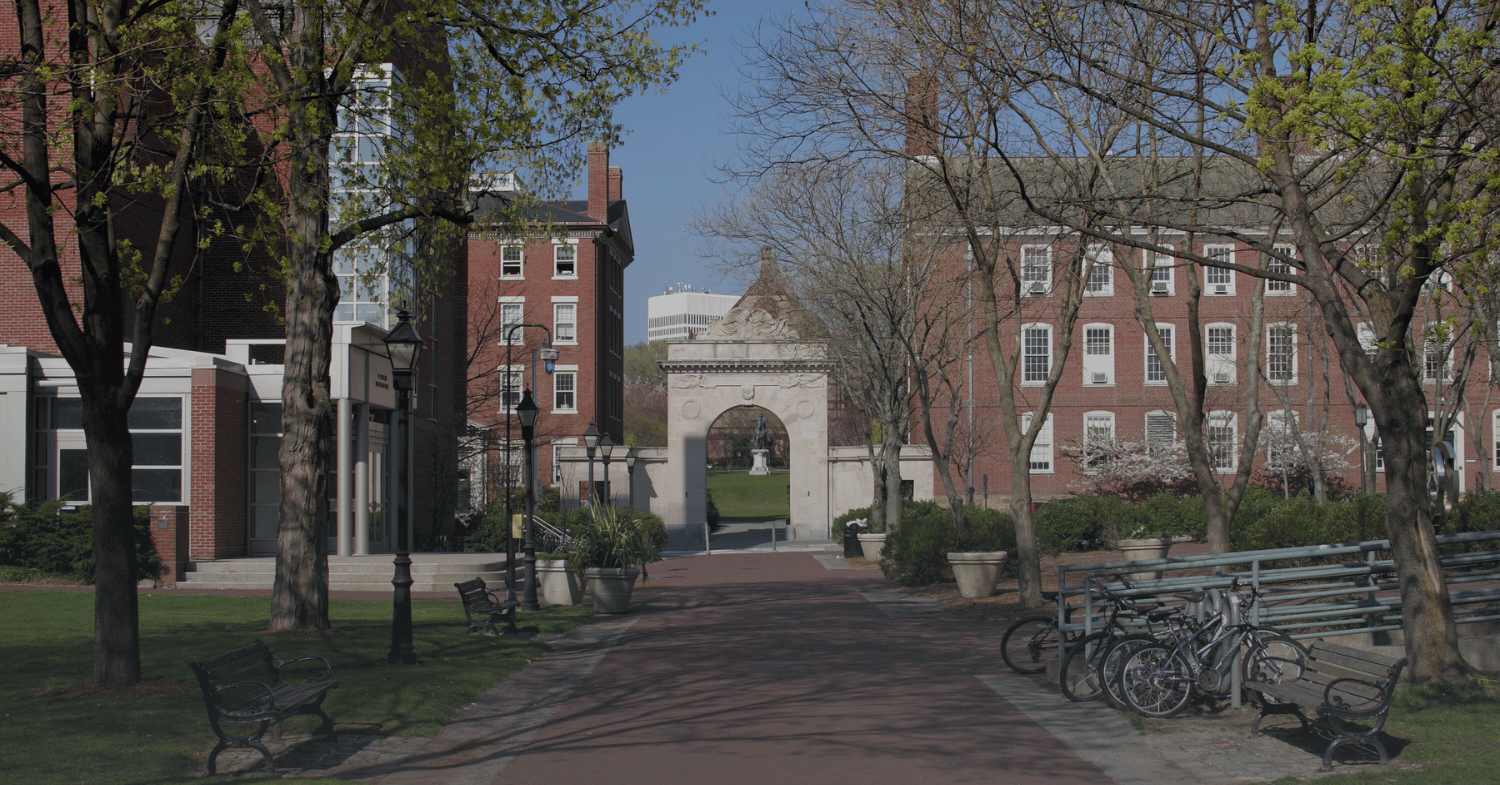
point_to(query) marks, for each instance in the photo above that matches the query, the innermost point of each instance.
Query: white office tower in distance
(683, 312)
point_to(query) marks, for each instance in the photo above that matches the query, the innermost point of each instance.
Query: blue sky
(673, 142)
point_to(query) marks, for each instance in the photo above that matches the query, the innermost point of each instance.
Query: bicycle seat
(1191, 596)
(1161, 614)
(1049, 596)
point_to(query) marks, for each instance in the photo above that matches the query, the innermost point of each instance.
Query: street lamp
(1361, 417)
(549, 361)
(404, 347)
(630, 459)
(591, 443)
(606, 446)
(526, 413)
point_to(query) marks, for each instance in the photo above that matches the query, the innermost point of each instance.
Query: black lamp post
(549, 362)
(606, 446)
(404, 346)
(526, 413)
(1361, 417)
(591, 443)
(630, 474)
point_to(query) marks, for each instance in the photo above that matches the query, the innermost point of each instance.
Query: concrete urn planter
(872, 545)
(560, 585)
(1143, 550)
(610, 587)
(976, 573)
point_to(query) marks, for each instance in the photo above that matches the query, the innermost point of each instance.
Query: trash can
(851, 540)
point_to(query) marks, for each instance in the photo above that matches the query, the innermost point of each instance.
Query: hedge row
(61, 542)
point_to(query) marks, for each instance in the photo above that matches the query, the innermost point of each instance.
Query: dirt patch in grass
(144, 689)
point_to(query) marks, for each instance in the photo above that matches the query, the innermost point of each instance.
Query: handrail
(564, 540)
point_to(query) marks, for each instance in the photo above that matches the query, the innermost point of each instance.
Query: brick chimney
(922, 115)
(599, 181)
(616, 183)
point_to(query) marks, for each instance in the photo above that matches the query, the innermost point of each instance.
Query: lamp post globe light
(548, 357)
(1361, 418)
(526, 412)
(404, 347)
(606, 446)
(630, 459)
(590, 444)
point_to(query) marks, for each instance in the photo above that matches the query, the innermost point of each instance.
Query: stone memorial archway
(752, 357)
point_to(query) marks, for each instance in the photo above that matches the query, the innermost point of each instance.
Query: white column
(344, 438)
(362, 479)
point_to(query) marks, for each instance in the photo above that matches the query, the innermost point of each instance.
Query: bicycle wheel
(1156, 681)
(1028, 643)
(1114, 662)
(1080, 675)
(1277, 659)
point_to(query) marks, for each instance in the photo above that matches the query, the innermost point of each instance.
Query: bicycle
(1089, 665)
(1158, 679)
(1029, 642)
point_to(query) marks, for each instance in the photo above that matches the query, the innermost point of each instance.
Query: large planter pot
(976, 573)
(610, 587)
(560, 585)
(1143, 550)
(872, 545)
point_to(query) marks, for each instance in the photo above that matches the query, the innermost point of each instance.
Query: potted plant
(560, 583)
(609, 545)
(976, 557)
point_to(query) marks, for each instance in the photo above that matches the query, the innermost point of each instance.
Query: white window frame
(1281, 288)
(1278, 419)
(1035, 272)
(1102, 363)
(560, 372)
(1098, 425)
(1163, 263)
(1227, 461)
(1167, 332)
(557, 321)
(1225, 253)
(512, 385)
(1373, 437)
(572, 245)
(1028, 378)
(1494, 441)
(1099, 257)
(1272, 330)
(504, 303)
(1428, 377)
(1217, 364)
(519, 261)
(1158, 416)
(1366, 334)
(1042, 459)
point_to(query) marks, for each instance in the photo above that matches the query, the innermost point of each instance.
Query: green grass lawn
(58, 730)
(739, 495)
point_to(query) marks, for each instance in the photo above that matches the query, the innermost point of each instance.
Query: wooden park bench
(1343, 686)
(245, 687)
(483, 608)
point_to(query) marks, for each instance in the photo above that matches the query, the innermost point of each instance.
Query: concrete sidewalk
(789, 667)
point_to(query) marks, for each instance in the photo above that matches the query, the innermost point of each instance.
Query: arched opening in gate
(749, 457)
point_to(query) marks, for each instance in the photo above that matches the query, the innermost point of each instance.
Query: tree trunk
(1028, 556)
(117, 651)
(890, 448)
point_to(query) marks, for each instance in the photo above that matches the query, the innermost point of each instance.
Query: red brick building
(571, 282)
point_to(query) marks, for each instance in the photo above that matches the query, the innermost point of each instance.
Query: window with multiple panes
(1221, 440)
(511, 389)
(1218, 280)
(1036, 267)
(1281, 353)
(1036, 363)
(1098, 431)
(565, 391)
(1161, 428)
(512, 313)
(1221, 341)
(565, 322)
(564, 255)
(510, 261)
(1100, 280)
(1041, 449)
(1435, 358)
(1281, 267)
(1096, 341)
(155, 431)
(1156, 373)
(1280, 438)
(1161, 273)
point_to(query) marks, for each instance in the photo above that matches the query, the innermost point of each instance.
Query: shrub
(713, 512)
(1476, 511)
(61, 542)
(989, 530)
(1070, 524)
(916, 554)
(613, 537)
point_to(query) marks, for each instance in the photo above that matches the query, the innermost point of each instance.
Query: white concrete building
(679, 315)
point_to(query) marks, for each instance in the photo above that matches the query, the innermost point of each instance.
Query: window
(265, 470)
(1098, 435)
(1098, 354)
(564, 389)
(1161, 428)
(1281, 353)
(512, 313)
(512, 380)
(1217, 281)
(564, 256)
(565, 322)
(1219, 364)
(510, 261)
(155, 430)
(1367, 339)
(1221, 441)
(1041, 449)
(1161, 283)
(1156, 373)
(1036, 363)
(1437, 358)
(1281, 267)
(1280, 437)
(1221, 341)
(1100, 279)
(369, 270)
(1036, 269)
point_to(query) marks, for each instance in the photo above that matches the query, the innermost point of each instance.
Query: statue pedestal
(759, 465)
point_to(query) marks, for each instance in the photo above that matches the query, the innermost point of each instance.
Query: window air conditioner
(1100, 378)
(1158, 287)
(1222, 377)
(1221, 288)
(1038, 288)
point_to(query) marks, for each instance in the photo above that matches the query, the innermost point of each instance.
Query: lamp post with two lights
(525, 411)
(404, 347)
(590, 444)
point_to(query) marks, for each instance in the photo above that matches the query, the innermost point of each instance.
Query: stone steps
(429, 572)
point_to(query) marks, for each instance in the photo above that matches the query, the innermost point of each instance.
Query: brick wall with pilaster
(170, 524)
(218, 471)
